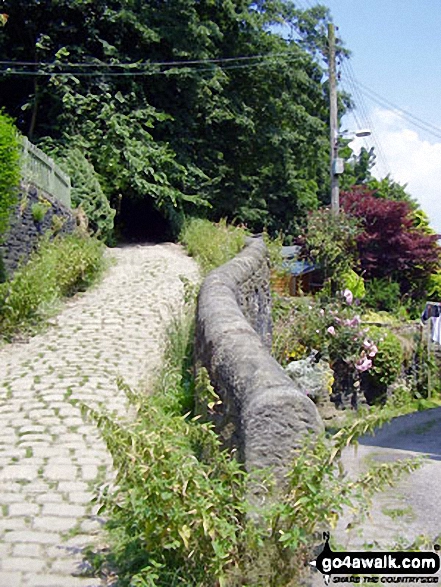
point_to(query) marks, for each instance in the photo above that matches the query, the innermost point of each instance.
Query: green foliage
(87, 191)
(178, 508)
(355, 283)
(274, 246)
(388, 361)
(59, 268)
(252, 141)
(383, 294)
(330, 240)
(304, 325)
(179, 513)
(434, 287)
(9, 169)
(318, 487)
(38, 211)
(212, 244)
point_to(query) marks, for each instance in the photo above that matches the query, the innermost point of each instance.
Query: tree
(235, 136)
(330, 242)
(390, 245)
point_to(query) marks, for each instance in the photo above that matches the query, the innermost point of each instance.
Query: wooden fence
(40, 170)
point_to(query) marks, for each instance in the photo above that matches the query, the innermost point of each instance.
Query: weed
(212, 244)
(397, 513)
(179, 514)
(67, 393)
(29, 452)
(59, 268)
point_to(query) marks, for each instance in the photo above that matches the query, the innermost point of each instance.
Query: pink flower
(373, 351)
(348, 296)
(331, 330)
(355, 321)
(367, 343)
(322, 312)
(363, 364)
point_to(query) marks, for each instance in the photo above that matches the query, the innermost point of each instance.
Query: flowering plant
(347, 341)
(334, 330)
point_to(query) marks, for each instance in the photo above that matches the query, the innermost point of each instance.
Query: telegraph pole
(333, 119)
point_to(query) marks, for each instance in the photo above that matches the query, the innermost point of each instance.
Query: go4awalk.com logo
(359, 564)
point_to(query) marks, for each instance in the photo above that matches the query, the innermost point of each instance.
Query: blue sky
(396, 52)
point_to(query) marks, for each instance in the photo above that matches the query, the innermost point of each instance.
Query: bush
(59, 268)
(355, 283)
(383, 295)
(388, 362)
(178, 508)
(212, 244)
(330, 240)
(10, 170)
(87, 192)
(179, 514)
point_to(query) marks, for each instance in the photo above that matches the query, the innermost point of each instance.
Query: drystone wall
(34, 214)
(262, 412)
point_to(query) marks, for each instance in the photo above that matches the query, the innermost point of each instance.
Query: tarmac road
(412, 507)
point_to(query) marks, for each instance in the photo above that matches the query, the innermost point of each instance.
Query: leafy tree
(389, 245)
(330, 242)
(249, 137)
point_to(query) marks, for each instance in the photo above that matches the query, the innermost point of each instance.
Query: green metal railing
(40, 170)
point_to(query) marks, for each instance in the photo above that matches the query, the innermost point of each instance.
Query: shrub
(179, 514)
(57, 269)
(383, 295)
(387, 364)
(38, 211)
(434, 286)
(355, 283)
(330, 240)
(212, 244)
(87, 191)
(389, 244)
(178, 508)
(10, 170)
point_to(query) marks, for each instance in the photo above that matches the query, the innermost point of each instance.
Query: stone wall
(27, 226)
(263, 414)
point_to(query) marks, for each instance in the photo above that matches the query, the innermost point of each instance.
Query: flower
(363, 364)
(348, 296)
(355, 321)
(322, 312)
(331, 330)
(373, 351)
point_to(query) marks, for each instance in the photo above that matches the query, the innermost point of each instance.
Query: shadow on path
(419, 432)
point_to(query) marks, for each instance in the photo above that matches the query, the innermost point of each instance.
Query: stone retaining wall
(262, 414)
(26, 229)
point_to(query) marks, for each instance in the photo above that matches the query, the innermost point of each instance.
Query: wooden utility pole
(333, 119)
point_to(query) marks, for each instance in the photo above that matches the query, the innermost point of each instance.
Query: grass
(399, 513)
(212, 244)
(59, 268)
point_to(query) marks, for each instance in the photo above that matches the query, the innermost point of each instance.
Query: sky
(396, 53)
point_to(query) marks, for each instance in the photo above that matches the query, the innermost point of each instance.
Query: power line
(140, 64)
(415, 120)
(131, 73)
(367, 120)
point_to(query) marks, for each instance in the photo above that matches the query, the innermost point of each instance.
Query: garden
(362, 333)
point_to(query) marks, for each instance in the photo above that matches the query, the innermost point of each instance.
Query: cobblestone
(49, 455)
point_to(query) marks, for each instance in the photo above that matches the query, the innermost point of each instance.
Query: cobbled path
(50, 457)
